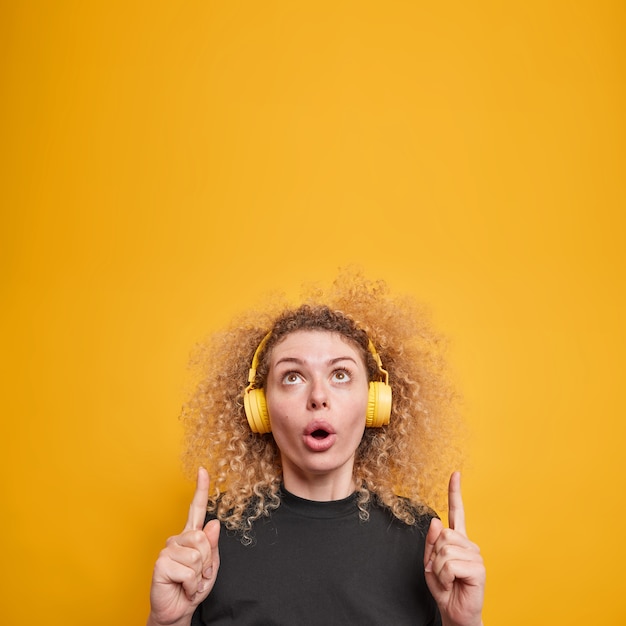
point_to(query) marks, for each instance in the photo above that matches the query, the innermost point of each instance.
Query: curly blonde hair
(404, 466)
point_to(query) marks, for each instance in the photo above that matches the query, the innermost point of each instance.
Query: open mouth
(319, 434)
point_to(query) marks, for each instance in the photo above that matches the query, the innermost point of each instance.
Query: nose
(318, 396)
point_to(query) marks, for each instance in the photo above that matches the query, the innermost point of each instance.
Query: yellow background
(165, 164)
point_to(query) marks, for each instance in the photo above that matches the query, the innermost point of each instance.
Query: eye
(291, 378)
(341, 376)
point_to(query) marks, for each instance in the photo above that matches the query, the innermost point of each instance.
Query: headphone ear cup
(378, 405)
(255, 406)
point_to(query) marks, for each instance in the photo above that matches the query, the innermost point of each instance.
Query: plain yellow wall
(165, 164)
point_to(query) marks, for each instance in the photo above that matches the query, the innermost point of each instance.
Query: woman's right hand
(186, 569)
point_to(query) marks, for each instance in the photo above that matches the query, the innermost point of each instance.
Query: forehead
(321, 344)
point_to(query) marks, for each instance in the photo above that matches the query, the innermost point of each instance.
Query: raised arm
(454, 568)
(185, 571)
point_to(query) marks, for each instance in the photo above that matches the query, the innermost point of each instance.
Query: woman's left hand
(454, 569)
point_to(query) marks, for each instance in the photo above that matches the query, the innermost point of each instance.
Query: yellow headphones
(378, 401)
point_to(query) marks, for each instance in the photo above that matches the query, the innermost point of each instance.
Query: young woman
(328, 429)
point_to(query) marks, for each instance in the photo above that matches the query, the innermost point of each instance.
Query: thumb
(212, 533)
(431, 539)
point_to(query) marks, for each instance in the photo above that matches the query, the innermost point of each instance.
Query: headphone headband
(255, 360)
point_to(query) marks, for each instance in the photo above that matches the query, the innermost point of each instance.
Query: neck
(322, 488)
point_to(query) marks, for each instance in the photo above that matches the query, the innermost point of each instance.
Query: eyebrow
(298, 361)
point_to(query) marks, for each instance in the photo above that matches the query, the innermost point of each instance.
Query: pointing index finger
(456, 512)
(197, 510)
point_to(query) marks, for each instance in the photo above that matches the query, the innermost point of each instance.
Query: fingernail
(202, 586)
(208, 572)
(429, 566)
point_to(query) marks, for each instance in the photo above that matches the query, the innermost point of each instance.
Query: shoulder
(404, 512)
(239, 516)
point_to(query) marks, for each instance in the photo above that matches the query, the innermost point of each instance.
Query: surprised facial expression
(317, 392)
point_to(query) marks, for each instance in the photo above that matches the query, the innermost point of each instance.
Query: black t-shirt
(318, 563)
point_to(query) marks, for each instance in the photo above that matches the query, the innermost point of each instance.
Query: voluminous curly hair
(405, 465)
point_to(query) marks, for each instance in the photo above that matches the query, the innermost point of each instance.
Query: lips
(319, 436)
